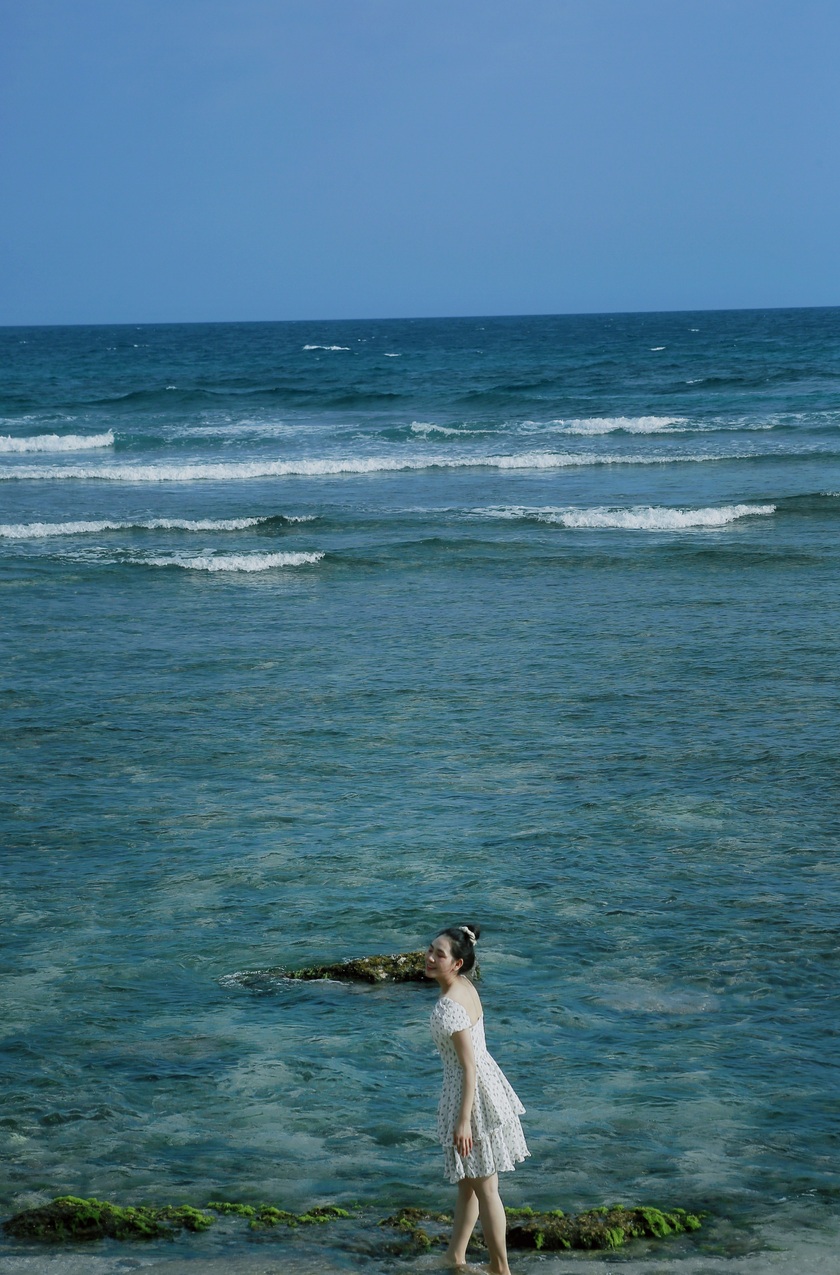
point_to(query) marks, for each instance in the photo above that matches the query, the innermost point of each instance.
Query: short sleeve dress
(498, 1140)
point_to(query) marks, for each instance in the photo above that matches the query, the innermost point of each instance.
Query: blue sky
(168, 160)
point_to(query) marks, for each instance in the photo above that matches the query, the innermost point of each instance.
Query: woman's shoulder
(458, 1008)
(467, 995)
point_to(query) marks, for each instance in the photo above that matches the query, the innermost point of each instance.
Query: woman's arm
(463, 1139)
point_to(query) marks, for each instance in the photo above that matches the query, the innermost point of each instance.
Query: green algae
(408, 1223)
(268, 1215)
(604, 1228)
(608, 1227)
(69, 1217)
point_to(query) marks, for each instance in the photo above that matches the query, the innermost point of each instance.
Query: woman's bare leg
(493, 1222)
(463, 1223)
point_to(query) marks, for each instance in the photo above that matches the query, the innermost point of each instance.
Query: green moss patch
(409, 1223)
(405, 967)
(70, 1218)
(604, 1228)
(267, 1215)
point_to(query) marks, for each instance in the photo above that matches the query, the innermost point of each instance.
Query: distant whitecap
(43, 530)
(56, 442)
(616, 424)
(230, 561)
(237, 471)
(634, 518)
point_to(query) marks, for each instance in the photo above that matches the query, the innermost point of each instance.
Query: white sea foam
(393, 356)
(231, 561)
(617, 424)
(56, 442)
(40, 530)
(635, 518)
(236, 471)
(425, 428)
(326, 347)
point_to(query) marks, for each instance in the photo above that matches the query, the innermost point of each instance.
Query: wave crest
(635, 518)
(317, 468)
(41, 530)
(55, 442)
(595, 425)
(231, 561)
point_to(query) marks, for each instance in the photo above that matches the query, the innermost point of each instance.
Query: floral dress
(498, 1140)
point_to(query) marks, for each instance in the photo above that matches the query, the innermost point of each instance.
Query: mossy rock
(408, 1223)
(70, 1218)
(603, 1228)
(267, 1215)
(405, 967)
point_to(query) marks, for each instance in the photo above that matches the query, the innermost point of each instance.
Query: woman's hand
(462, 1138)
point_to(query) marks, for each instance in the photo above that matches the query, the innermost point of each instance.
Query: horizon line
(418, 318)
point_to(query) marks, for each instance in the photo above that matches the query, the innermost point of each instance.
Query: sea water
(320, 636)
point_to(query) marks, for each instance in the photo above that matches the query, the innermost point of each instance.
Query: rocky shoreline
(71, 1219)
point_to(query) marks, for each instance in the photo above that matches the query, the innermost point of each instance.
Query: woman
(478, 1115)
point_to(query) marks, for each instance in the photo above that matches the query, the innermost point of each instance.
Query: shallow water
(317, 650)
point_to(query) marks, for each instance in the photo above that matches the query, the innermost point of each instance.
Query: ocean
(321, 636)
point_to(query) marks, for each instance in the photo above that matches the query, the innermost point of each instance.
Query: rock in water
(603, 1228)
(405, 967)
(70, 1218)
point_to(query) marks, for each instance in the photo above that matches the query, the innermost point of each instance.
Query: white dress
(498, 1140)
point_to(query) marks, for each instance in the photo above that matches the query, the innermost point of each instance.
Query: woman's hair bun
(462, 941)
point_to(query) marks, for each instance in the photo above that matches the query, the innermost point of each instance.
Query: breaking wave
(56, 442)
(230, 561)
(635, 518)
(41, 530)
(594, 425)
(424, 428)
(326, 347)
(238, 470)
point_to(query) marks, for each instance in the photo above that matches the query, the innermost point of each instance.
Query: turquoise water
(319, 636)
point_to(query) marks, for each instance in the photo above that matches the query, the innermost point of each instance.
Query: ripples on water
(445, 636)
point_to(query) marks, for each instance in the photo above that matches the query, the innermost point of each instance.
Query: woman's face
(439, 958)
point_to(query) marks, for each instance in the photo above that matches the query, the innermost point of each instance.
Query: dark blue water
(319, 636)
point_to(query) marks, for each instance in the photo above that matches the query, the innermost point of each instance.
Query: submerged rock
(70, 1218)
(603, 1228)
(409, 1223)
(267, 1215)
(404, 967)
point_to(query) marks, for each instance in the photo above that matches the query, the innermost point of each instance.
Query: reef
(603, 1228)
(408, 1222)
(267, 1215)
(404, 967)
(70, 1218)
